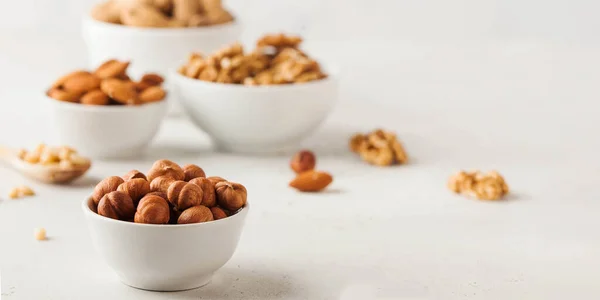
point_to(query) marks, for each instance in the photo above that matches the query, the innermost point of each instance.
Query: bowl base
(167, 285)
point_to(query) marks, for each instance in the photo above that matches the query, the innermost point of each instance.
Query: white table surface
(527, 109)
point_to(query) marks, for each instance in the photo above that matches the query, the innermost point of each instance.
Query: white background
(509, 85)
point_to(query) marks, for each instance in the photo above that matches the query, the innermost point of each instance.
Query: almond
(58, 83)
(112, 68)
(121, 91)
(62, 95)
(311, 181)
(81, 83)
(95, 97)
(152, 79)
(152, 94)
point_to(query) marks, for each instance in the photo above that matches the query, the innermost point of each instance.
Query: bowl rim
(330, 79)
(90, 214)
(104, 108)
(87, 18)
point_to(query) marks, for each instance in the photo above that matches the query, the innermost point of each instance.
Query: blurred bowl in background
(106, 131)
(153, 50)
(256, 119)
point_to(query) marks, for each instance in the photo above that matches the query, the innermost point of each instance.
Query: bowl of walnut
(156, 33)
(170, 229)
(263, 101)
(105, 113)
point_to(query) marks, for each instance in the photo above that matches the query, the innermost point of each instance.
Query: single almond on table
(95, 97)
(311, 181)
(121, 91)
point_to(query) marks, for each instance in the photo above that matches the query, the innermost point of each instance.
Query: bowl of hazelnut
(156, 33)
(106, 114)
(264, 101)
(169, 229)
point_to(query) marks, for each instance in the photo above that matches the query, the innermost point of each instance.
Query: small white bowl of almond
(262, 101)
(106, 114)
(170, 229)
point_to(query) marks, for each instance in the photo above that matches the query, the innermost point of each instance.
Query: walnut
(209, 197)
(184, 195)
(107, 185)
(279, 41)
(276, 60)
(136, 189)
(379, 147)
(230, 195)
(165, 167)
(490, 186)
(153, 209)
(196, 214)
(116, 205)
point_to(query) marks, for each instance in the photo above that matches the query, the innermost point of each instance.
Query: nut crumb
(489, 186)
(40, 234)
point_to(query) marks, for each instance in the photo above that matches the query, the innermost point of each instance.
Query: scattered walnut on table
(488, 186)
(379, 147)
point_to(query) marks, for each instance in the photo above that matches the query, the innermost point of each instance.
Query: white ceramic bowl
(164, 257)
(106, 131)
(256, 119)
(152, 49)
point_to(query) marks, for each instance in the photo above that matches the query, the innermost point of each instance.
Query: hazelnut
(174, 215)
(192, 171)
(107, 185)
(195, 214)
(134, 174)
(231, 195)
(218, 213)
(209, 197)
(136, 189)
(159, 194)
(165, 167)
(116, 205)
(303, 161)
(216, 179)
(152, 209)
(161, 184)
(184, 195)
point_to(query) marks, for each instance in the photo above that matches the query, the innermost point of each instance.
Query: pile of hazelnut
(168, 194)
(488, 186)
(162, 13)
(63, 156)
(109, 84)
(276, 60)
(307, 178)
(379, 147)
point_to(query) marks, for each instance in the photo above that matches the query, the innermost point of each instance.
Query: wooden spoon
(53, 173)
